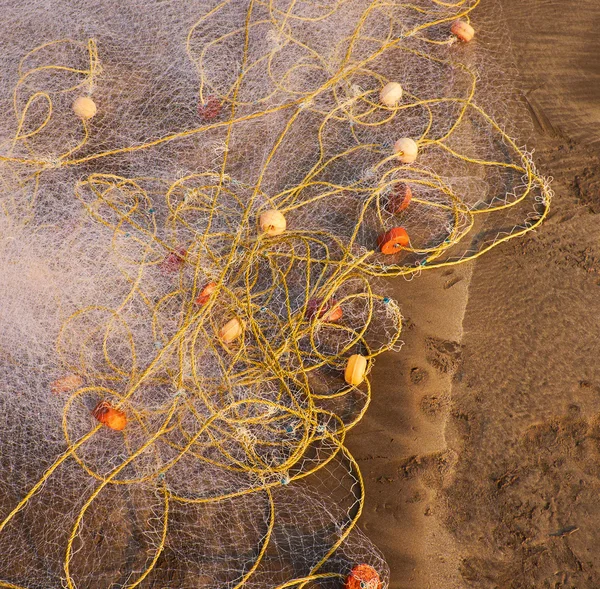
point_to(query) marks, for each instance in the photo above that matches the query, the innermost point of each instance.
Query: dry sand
(481, 449)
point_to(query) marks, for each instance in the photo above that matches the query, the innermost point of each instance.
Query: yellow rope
(281, 348)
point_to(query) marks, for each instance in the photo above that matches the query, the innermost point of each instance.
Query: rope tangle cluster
(207, 391)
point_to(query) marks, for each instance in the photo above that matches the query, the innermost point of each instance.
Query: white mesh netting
(178, 376)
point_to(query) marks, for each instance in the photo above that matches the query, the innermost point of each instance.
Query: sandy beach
(481, 447)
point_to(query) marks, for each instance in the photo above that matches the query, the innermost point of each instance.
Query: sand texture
(481, 449)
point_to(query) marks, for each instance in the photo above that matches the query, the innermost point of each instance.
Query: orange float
(356, 368)
(463, 30)
(363, 576)
(65, 384)
(206, 293)
(106, 414)
(392, 241)
(211, 109)
(330, 311)
(174, 261)
(399, 199)
(231, 330)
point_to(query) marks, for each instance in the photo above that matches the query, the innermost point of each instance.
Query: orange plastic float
(392, 241)
(355, 369)
(174, 261)
(84, 107)
(231, 330)
(65, 384)
(330, 311)
(399, 199)
(272, 222)
(463, 30)
(206, 293)
(109, 416)
(211, 109)
(363, 576)
(406, 149)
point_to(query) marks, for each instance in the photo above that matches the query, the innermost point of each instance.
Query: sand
(481, 449)
(401, 444)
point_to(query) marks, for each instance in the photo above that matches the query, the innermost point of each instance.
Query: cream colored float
(272, 222)
(84, 107)
(406, 149)
(391, 94)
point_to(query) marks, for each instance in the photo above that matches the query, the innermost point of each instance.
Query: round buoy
(272, 222)
(330, 311)
(211, 109)
(109, 416)
(231, 330)
(65, 384)
(463, 30)
(392, 241)
(174, 260)
(391, 94)
(406, 149)
(84, 107)
(363, 576)
(355, 369)
(206, 293)
(399, 198)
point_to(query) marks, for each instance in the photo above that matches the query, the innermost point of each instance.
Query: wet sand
(401, 444)
(481, 449)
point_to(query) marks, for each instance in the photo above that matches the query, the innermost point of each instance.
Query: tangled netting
(175, 394)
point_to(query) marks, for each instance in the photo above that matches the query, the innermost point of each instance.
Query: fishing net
(179, 375)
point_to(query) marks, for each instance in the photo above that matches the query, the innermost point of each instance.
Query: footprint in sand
(443, 355)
